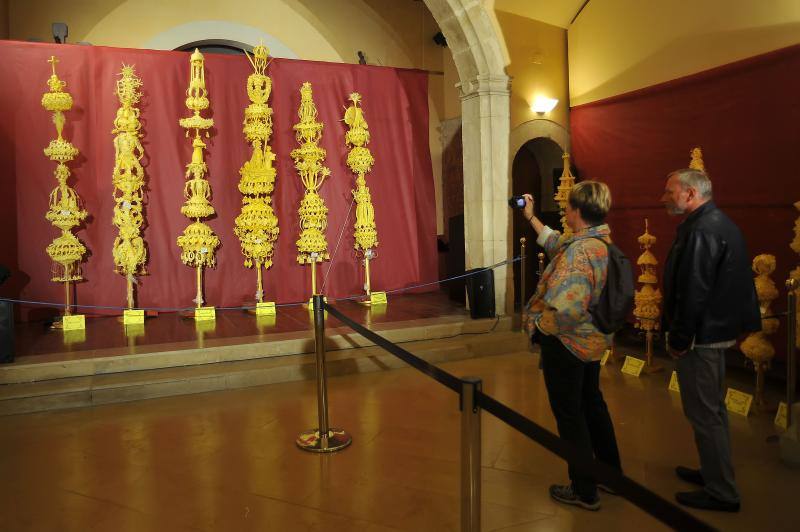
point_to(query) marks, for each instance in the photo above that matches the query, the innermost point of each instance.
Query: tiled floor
(227, 460)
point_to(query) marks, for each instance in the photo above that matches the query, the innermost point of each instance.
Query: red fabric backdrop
(746, 118)
(401, 183)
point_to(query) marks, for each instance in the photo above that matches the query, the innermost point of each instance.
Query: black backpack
(616, 300)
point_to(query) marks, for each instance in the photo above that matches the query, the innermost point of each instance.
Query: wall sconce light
(542, 105)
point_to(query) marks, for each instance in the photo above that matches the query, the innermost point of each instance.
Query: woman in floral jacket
(557, 317)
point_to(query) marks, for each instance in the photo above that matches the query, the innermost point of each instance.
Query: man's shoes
(603, 487)
(702, 500)
(690, 475)
(567, 495)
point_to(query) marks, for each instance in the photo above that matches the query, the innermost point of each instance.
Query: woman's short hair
(592, 199)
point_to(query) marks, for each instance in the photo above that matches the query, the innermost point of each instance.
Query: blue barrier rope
(251, 307)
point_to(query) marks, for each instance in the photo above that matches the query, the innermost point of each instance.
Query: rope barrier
(652, 503)
(437, 374)
(251, 307)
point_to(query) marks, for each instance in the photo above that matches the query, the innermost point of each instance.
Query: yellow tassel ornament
(565, 184)
(65, 210)
(257, 226)
(129, 250)
(198, 242)
(360, 161)
(312, 246)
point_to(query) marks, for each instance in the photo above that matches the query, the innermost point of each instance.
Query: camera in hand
(517, 202)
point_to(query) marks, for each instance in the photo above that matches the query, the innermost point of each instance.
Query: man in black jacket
(709, 300)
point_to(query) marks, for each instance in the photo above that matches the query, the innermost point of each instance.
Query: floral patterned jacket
(569, 285)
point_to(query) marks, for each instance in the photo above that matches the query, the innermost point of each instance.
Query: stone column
(485, 133)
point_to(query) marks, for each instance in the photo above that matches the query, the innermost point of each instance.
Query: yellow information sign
(738, 402)
(605, 357)
(633, 366)
(133, 317)
(134, 329)
(205, 314)
(73, 322)
(780, 416)
(265, 309)
(673, 383)
(378, 298)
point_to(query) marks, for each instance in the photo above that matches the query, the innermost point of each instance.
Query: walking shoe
(566, 495)
(603, 487)
(692, 476)
(704, 501)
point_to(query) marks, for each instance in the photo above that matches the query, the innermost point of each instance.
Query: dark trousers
(701, 376)
(573, 387)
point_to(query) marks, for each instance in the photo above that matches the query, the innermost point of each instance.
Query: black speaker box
(6, 331)
(480, 291)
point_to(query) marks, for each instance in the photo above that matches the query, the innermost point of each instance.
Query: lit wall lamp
(542, 105)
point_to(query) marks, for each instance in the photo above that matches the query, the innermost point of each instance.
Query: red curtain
(746, 118)
(401, 182)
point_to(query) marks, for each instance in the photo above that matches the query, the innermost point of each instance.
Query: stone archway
(481, 57)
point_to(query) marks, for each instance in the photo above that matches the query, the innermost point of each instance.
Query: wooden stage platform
(173, 355)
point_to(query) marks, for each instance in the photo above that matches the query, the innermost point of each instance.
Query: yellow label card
(133, 317)
(134, 329)
(780, 415)
(378, 298)
(605, 357)
(633, 366)
(265, 309)
(205, 314)
(74, 336)
(74, 322)
(673, 383)
(738, 402)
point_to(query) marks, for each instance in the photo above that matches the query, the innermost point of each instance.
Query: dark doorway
(532, 171)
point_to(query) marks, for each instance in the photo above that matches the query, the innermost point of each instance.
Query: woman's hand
(528, 210)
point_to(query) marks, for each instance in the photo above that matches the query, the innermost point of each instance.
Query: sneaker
(603, 487)
(704, 501)
(566, 495)
(693, 476)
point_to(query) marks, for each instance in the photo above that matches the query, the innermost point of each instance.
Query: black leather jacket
(709, 293)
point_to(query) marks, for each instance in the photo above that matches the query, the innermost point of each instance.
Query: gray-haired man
(709, 300)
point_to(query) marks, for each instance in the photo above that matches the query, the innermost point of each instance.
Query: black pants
(573, 387)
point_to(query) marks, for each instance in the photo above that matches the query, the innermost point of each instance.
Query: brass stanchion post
(791, 348)
(470, 455)
(322, 439)
(790, 438)
(522, 269)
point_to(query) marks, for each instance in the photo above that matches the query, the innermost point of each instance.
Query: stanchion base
(764, 407)
(653, 367)
(310, 441)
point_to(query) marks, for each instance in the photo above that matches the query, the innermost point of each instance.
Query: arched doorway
(536, 168)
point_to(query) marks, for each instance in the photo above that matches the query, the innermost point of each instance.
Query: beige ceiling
(556, 12)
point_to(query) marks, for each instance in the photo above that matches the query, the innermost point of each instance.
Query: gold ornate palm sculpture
(198, 242)
(756, 346)
(795, 274)
(696, 162)
(129, 249)
(257, 225)
(312, 246)
(360, 161)
(648, 299)
(565, 184)
(65, 210)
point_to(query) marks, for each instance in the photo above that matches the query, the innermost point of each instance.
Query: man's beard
(675, 210)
